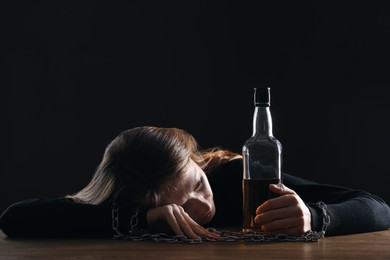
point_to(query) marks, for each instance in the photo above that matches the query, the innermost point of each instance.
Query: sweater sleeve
(55, 217)
(62, 217)
(350, 211)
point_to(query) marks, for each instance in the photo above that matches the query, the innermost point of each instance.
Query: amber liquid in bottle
(256, 192)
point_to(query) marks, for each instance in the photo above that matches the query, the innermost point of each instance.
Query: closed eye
(199, 183)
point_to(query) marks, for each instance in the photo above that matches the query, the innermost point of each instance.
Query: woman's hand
(286, 214)
(173, 218)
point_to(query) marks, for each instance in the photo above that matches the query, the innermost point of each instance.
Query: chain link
(325, 217)
(115, 221)
(136, 234)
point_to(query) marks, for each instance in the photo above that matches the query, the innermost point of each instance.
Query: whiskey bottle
(262, 158)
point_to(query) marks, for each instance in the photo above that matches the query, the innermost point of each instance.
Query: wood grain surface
(373, 245)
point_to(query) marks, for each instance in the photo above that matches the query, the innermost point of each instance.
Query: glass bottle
(262, 155)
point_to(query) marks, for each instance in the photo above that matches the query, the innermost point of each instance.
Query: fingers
(286, 214)
(280, 219)
(179, 224)
(279, 202)
(289, 226)
(281, 189)
(178, 221)
(187, 226)
(280, 213)
(196, 228)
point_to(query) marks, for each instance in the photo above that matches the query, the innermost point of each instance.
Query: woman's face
(193, 192)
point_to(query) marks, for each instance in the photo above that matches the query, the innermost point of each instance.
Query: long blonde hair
(140, 161)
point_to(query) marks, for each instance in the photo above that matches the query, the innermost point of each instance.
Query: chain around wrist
(325, 218)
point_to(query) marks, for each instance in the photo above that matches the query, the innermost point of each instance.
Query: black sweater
(351, 211)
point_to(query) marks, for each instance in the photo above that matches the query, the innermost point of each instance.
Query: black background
(76, 73)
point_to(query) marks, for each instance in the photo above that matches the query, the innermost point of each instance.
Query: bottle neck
(262, 122)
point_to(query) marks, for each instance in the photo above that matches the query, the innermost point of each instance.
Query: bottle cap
(262, 97)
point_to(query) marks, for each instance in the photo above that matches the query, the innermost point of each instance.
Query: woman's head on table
(150, 167)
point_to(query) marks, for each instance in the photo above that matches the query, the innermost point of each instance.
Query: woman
(156, 179)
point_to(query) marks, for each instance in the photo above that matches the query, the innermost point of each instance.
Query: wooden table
(374, 245)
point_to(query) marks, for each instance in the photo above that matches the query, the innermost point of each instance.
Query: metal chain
(325, 217)
(136, 234)
(115, 220)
